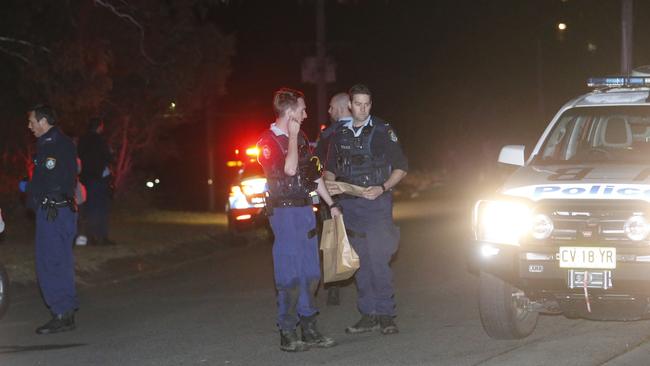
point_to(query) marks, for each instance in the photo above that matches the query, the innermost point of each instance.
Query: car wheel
(504, 309)
(4, 291)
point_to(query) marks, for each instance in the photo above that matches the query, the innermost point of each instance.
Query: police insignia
(392, 135)
(50, 163)
(266, 152)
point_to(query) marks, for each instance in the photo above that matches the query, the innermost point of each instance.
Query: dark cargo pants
(375, 238)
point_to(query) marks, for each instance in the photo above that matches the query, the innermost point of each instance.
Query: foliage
(125, 61)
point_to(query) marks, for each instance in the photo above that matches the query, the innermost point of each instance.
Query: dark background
(457, 79)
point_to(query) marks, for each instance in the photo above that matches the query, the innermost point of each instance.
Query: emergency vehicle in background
(245, 207)
(246, 204)
(568, 232)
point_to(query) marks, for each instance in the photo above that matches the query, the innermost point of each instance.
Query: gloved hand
(2, 223)
(22, 185)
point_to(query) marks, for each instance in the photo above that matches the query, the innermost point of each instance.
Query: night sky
(446, 74)
(457, 79)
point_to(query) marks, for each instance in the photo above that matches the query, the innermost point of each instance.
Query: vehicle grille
(592, 222)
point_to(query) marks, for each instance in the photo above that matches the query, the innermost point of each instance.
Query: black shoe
(333, 297)
(289, 342)
(59, 323)
(311, 336)
(387, 325)
(367, 323)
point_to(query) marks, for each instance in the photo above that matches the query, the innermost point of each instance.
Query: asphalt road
(219, 310)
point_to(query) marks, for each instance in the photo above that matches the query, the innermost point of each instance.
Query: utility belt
(289, 202)
(272, 203)
(52, 207)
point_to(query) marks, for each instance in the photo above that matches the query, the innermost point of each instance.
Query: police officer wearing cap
(366, 152)
(50, 193)
(292, 175)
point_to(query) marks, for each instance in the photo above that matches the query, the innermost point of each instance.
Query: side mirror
(512, 154)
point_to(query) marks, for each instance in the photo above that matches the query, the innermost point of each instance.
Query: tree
(127, 61)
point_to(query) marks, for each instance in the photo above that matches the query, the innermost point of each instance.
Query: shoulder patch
(392, 135)
(266, 152)
(50, 163)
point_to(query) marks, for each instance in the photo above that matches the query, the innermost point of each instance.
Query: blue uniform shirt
(55, 168)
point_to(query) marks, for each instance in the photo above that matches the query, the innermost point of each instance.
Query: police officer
(339, 113)
(366, 152)
(95, 174)
(291, 175)
(50, 194)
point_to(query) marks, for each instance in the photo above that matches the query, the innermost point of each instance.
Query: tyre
(4, 291)
(504, 309)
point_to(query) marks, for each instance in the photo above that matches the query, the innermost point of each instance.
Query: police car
(569, 231)
(245, 207)
(246, 204)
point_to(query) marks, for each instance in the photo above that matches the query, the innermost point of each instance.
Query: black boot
(367, 323)
(289, 342)
(311, 335)
(59, 323)
(387, 325)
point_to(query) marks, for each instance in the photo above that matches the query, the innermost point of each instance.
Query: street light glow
(561, 26)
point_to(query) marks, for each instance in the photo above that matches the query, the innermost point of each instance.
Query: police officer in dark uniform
(291, 175)
(339, 113)
(96, 157)
(50, 193)
(365, 152)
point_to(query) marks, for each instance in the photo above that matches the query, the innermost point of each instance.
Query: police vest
(283, 186)
(355, 161)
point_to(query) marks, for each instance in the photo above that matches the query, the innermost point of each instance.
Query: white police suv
(569, 230)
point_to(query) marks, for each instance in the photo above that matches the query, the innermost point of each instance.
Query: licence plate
(587, 257)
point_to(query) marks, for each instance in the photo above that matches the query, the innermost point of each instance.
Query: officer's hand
(294, 127)
(335, 211)
(22, 185)
(372, 192)
(332, 188)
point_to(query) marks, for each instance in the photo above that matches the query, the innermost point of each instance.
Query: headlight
(253, 186)
(502, 222)
(542, 227)
(636, 228)
(237, 199)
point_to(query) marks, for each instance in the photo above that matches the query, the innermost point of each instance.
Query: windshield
(599, 135)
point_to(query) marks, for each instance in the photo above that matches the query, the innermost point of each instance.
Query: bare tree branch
(14, 54)
(24, 43)
(133, 21)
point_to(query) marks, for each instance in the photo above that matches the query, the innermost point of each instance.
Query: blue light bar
(618, 81)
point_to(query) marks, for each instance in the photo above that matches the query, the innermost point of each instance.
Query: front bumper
(536, 270)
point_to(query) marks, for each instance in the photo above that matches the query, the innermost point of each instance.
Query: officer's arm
(323, 193)
(291, 161)
(397, 159)
(395, 176)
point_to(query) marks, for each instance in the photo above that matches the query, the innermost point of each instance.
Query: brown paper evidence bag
(340, 261)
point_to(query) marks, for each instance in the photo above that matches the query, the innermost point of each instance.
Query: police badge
(50, 163)
(392, 135)
(266, 152)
